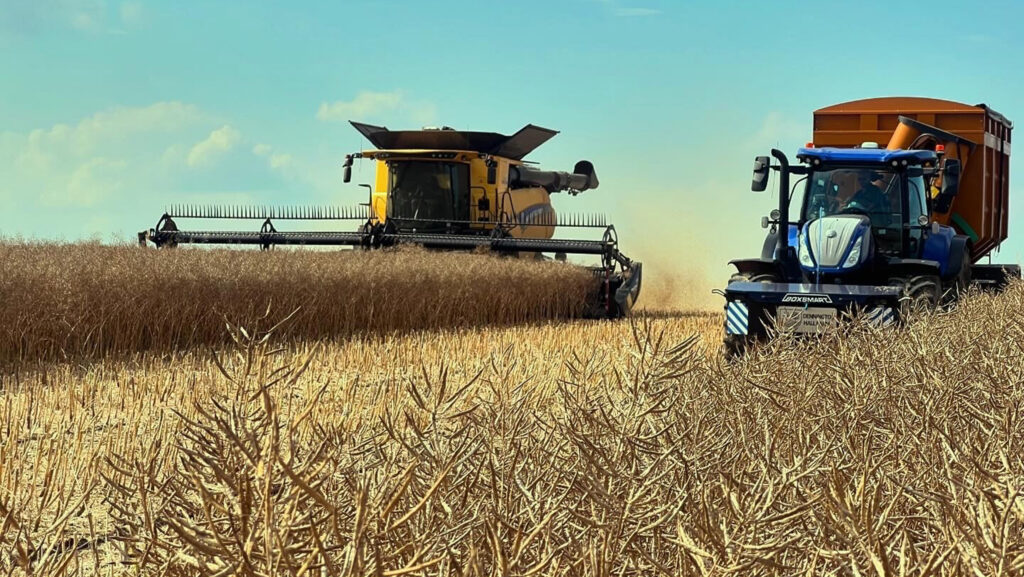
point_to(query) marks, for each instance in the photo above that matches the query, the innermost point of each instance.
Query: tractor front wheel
(919, 294)
(735, 346)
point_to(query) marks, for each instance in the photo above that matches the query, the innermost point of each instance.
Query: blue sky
(110, 110)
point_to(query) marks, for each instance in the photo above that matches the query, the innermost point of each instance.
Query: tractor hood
(834, 244)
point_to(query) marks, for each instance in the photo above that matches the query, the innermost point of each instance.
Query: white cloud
(280, 161)
(131, 14)
(393, 107)
(219, 141)
(364, 105)
(277, 161)
(86, 16)
(113, 125)
(85, 163)
(27, 17)
(127, 163)
(93, 181)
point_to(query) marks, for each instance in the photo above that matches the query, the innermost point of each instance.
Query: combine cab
(873, 231)
(447, 190)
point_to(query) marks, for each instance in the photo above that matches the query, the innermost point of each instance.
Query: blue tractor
(856, 235)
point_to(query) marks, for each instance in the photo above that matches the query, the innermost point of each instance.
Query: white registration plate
(802, 320)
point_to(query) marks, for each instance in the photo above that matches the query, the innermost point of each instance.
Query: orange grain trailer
(977, 136)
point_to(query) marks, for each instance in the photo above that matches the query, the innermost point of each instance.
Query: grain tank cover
(976, 135)
(515, 147)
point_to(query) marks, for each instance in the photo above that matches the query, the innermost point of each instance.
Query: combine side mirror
(762, 165)
(950, 186)
(492, 173)
(346, 171)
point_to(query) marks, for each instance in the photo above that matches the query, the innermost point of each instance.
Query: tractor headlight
(854, 257)
(804, 253)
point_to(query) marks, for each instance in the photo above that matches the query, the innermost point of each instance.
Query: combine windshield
(427, 191)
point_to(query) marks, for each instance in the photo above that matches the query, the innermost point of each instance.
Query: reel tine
(292, 212)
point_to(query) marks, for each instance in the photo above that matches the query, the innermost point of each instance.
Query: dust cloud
(679, 273)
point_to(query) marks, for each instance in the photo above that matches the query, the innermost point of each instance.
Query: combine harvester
(447, 190)
(877, 232)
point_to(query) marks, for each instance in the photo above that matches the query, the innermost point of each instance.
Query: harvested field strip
(75, 301)
(573, 449)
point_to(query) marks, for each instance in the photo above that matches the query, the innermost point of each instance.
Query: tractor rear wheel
(920, 293)
(735, 346)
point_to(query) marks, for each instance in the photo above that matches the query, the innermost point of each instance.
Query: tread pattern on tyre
(921, 293)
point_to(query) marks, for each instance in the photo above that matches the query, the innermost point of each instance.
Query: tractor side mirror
(346, 171)
(950, 186)
(492, 172)
(762, 165)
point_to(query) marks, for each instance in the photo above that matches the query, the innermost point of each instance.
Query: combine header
(876, 231)
(447, 190)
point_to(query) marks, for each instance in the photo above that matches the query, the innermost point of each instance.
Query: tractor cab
(861, 203)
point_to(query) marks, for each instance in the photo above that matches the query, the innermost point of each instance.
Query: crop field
(414, 413)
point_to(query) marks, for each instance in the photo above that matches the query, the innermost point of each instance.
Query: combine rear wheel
(735, 346)
(919, 293)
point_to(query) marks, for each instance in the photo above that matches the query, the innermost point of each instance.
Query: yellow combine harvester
(443, 189)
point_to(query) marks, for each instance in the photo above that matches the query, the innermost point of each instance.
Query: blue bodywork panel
(828, 295)
(862, 229)
(866, 155)
(936, 247)
(794, 236)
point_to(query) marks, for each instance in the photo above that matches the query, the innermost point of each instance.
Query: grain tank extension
(893, 207)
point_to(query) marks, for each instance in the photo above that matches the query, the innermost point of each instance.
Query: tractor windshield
(868, 191)
(427, 191)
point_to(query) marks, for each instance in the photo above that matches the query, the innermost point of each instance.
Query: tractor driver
(868, 197)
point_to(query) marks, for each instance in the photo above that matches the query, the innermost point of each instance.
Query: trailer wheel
(735, 346)
(920, 293)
